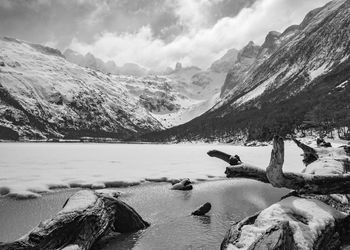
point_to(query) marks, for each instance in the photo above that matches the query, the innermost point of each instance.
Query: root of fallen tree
(314, 216)
(86, 217)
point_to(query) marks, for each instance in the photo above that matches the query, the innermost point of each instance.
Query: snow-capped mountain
(90, 61)
(179, 96)
(297, 56)
(173, 97)
(42, 94)
(297, 76)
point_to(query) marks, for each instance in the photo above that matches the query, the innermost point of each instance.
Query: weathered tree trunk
(326, 174)
(302, 219)
(86, 217)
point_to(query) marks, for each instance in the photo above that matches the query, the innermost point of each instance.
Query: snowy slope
(199, 91)
(43, 95)
(178, 97)
(173, 97)
(300, 54)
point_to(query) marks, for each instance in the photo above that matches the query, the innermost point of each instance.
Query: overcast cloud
(152, 33)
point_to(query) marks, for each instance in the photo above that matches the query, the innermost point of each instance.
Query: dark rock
(202, 210)
(8, 133)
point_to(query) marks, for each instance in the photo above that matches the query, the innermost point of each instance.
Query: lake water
(28, 169)
(168, 212)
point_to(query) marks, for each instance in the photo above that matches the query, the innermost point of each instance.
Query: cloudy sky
(152, 33)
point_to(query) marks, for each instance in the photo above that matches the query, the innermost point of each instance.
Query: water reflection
(186, 195)
(205, 219)
(168, 211)
(119, 241)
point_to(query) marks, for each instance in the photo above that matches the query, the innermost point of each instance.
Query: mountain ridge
(42, 95)
(264, 80)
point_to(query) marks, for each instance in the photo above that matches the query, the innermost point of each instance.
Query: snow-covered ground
(26, 171)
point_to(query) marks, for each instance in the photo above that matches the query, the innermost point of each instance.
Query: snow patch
(317, 72)
(79, 201)
(257, 91)
(342, 85)
(344, 58)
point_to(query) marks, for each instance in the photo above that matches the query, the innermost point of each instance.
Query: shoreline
(98, 140)
(28, 195)
(97, 166)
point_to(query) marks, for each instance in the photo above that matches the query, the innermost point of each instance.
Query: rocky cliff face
(246, 57)
(300, 74)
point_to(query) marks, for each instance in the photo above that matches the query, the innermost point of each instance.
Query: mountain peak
(226, 62)
(271, 40)
(178, 66)
(251, 50)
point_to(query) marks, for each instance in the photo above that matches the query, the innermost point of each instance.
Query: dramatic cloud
(153, 33)
(200, 44)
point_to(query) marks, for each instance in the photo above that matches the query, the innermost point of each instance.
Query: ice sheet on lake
(29, 169)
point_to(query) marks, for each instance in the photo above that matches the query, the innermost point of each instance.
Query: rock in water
(202, 210)
(184, 184)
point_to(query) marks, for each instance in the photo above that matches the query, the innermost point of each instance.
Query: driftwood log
(313, 216)
(86, 217)
(326, 174)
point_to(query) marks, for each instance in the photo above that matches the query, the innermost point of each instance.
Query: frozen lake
(29, 169)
